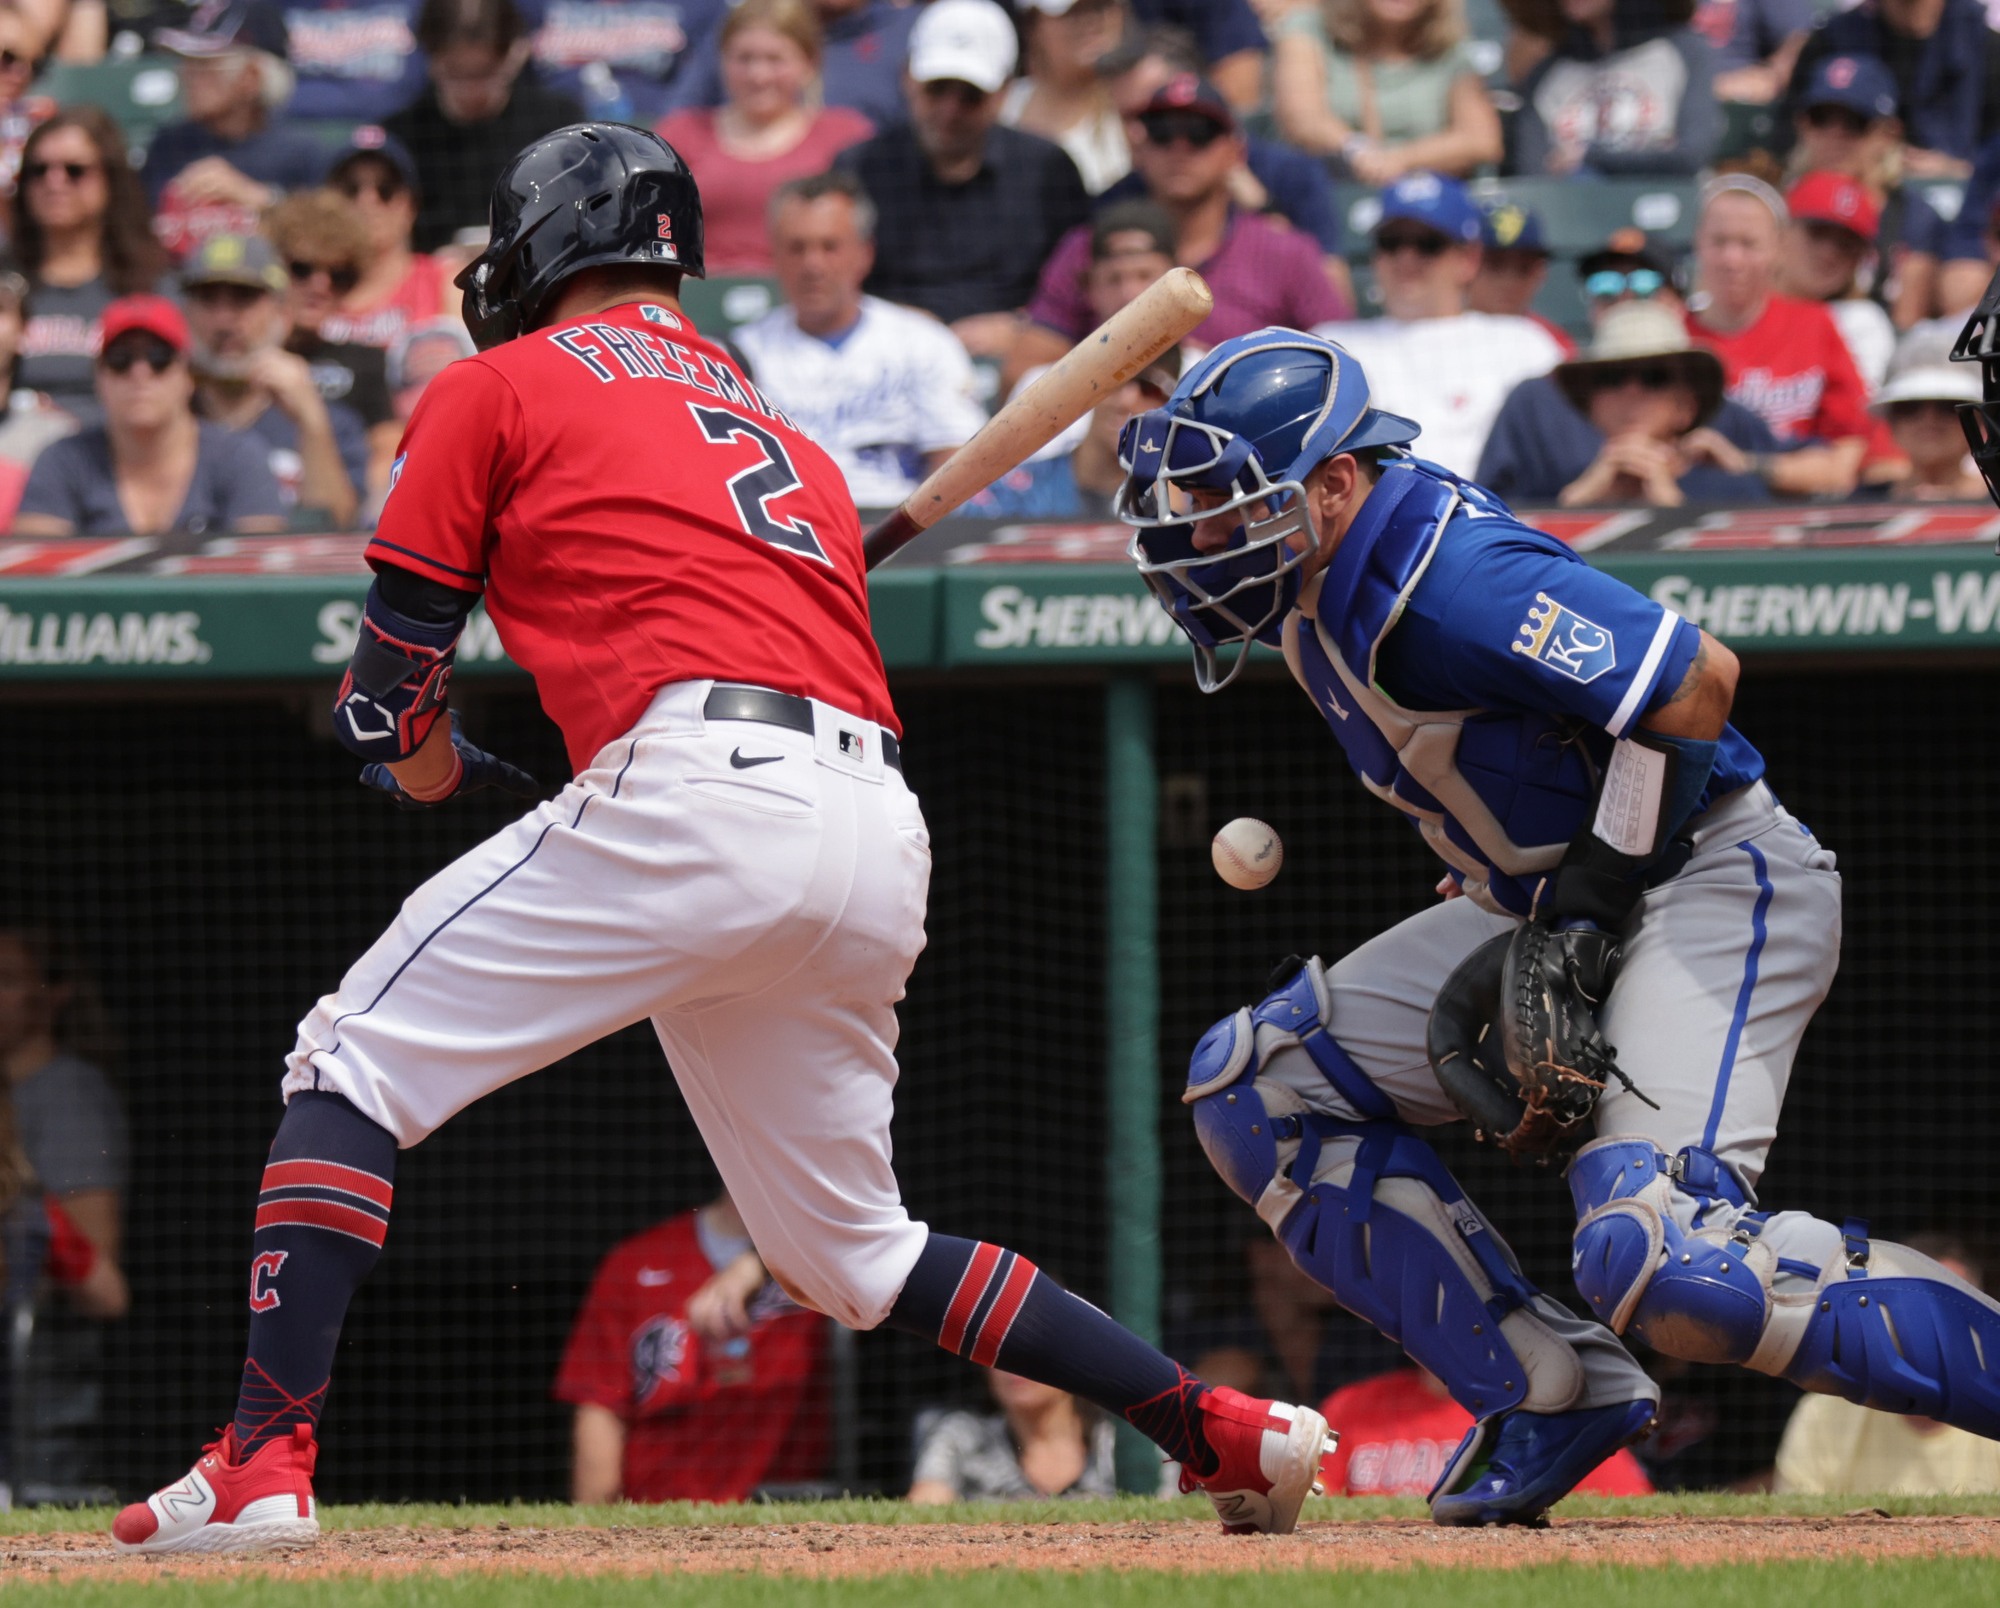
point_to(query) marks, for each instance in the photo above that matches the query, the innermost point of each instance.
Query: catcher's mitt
(1514, 1040)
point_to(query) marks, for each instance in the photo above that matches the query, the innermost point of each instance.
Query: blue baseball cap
(373, 142)
(1860, 83)
(1434, 201)
(1509, 226)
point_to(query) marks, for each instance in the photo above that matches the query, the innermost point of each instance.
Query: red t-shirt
(417, 299)
(637, 514)
(736, 195)
(702, 1423)
(1793, 370)
(1397, 1435)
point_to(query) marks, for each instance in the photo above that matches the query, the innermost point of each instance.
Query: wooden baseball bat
(1135, 335)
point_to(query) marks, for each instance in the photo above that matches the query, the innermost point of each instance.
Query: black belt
(732, 702)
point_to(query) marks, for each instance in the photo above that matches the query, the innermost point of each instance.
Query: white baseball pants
(765, 916)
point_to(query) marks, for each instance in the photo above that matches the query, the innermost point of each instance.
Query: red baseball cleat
(1269, 1457)
(222, 1505)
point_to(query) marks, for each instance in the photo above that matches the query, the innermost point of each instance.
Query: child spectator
(324, 246)
(218, 171)
(1399, 1430)
(1060, 96)
(1389, 86)
(82, 240)
(316, 450)
(151, 466)
(1829, 244)
(1513, 268)
(969, 211)
(357, 60)
(1921, 405)
(1784, 358)
(694, 1377)
(30, 423)
(763, 134)
(1261, 272)
(1629, 90)
(1431, 358)
(474, 115)
(1042, 1443)
(866, 42)
(398, 287)
(886, 390)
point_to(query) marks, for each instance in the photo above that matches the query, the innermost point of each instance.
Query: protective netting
(217, 866)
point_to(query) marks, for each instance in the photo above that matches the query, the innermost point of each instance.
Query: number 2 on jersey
(755, 488)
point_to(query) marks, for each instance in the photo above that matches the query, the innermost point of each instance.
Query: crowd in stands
(945, 195)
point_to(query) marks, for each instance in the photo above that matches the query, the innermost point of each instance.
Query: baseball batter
(1618, 873)
(738, 858)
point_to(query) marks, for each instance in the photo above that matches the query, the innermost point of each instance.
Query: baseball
(1247, 853)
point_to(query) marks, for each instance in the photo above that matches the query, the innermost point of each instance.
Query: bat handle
(889, 538)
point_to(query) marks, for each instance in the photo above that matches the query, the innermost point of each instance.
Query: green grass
(1935, 1582)
(872, 1510)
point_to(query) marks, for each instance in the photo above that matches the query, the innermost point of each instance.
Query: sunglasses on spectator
(1163, 128)
(1844, 118)
(342, 279)
(155, 353)
(1903, 412)
(76, 172)
(1649, 376)
(1426, 243)
(384, 190)
(1608, 284)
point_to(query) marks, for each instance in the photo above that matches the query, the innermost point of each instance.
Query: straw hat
(1644, 333)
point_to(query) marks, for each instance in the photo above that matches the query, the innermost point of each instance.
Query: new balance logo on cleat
(227, 1503)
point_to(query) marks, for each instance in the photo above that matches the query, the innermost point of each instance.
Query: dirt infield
(834, 1550)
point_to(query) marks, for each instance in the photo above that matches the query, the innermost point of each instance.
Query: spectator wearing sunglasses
(1921, 407)
(398, 287)
(1060, 94)
(1829, 246)
(244, 378)
(969, 210)
(1513, 267)
(151, 466)
(323, 244)
(82, 240)
(1784, 358)
(1262, 273)
(1431, 358)
(1628, 91)
(475, 114)
(217, 172)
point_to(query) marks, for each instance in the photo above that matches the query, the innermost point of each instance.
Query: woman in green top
(1387, 85)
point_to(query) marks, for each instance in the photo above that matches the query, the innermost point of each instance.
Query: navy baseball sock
(998, 1309)
(321, 1218)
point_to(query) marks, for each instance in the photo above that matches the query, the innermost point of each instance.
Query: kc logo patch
(1565, 641)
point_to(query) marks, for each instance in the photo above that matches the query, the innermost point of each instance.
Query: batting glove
(477, 769)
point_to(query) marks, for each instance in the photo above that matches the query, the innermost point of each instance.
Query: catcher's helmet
(584, 196)
(1979, 342)
(1250, 421)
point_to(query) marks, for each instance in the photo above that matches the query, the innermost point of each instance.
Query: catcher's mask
(582, 197)
(1250, 421)
(1979, 342)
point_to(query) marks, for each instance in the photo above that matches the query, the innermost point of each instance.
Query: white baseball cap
(969, 40)
(1943, 382)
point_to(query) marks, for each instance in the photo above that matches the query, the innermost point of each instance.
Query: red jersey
(1397, 1434)
(1792, 369)
(637, 514)
(703, 1423)
(417, 298)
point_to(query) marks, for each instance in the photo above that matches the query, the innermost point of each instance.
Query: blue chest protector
(1497, 794)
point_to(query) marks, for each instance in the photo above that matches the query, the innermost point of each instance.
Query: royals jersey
(704, 1421)
(637, 513)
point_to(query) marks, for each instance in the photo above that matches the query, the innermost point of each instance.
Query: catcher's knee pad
(1702, 1296)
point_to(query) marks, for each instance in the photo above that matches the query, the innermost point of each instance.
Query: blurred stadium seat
(142, 92)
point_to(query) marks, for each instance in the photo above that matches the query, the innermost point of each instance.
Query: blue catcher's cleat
(1512, 1468)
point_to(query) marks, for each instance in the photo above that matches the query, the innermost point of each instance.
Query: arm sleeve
(246, 488)
(1529, 629)
(461, 444)
(1697, 121)
(55, 485)
(1059, 301)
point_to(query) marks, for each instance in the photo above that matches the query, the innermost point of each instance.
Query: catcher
(1633, 936)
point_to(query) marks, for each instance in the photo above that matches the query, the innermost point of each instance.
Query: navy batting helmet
(1246, 425)
(582, 197)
